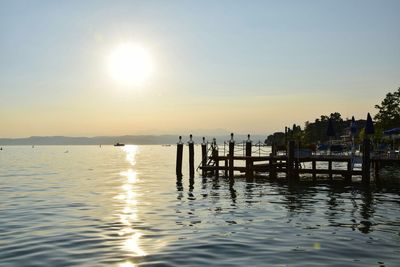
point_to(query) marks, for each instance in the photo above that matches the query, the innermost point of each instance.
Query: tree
(316, 131)
(336, 116)
(388, 115)
(277, 138)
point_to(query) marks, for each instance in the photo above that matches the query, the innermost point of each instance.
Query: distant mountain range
(125, 139)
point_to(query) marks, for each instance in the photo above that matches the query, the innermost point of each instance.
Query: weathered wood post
(191, 157)
(348, 176)
(215, 157)
(366, 164)
(226, 172)
(273, 149)
(290, 161)
(286, 139)
(330, 169)
(179, 154)
(203, 157)
(272, 162)
(231, 155)
(366, 167)
(314, 170)
(249, 162)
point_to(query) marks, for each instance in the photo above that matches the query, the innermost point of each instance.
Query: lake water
(109, 206)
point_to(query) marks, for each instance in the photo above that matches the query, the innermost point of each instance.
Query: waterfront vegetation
(387, 117)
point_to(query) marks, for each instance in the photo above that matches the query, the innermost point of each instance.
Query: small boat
(119, 144)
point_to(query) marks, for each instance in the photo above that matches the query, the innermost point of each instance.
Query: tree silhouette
(388, 115)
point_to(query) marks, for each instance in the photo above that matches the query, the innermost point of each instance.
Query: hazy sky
(244, 66)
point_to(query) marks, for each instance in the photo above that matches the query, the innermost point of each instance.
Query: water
(91, 206)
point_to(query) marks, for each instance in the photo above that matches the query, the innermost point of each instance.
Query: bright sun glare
(130, 64)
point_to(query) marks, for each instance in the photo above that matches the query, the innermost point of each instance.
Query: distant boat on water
(119, 144)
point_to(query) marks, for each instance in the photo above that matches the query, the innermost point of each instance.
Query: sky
(242, 66)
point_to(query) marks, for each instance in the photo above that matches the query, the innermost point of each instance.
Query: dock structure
(251, 159)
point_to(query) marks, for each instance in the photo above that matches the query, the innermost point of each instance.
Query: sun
(130, 64)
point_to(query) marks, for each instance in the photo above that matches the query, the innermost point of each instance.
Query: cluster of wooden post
(179, 157)
(292, 163)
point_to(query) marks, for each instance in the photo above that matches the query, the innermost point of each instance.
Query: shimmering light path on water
(92, 206)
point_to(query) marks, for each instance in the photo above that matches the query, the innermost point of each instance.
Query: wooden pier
(250, 160)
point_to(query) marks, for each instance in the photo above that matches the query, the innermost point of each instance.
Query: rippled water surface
(92, 206)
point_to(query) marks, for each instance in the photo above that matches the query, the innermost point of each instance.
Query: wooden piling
(314, 170)
(203, 157)
(348, 176)
(215, 157)
(249, 162)
(179, 154)
(226, 167)
(191, 157)
(286, 131)
(272, 162)
(366, 163)
(290, 161)
(231, 155)
(273, 149)
(216, 160)
(330, 170)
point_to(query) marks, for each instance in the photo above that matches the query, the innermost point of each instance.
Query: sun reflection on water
(127, 264)
(128, 214)
(131, 152)
(132, 244)
(130, 174)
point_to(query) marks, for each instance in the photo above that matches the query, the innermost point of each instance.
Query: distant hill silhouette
(110, 140)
